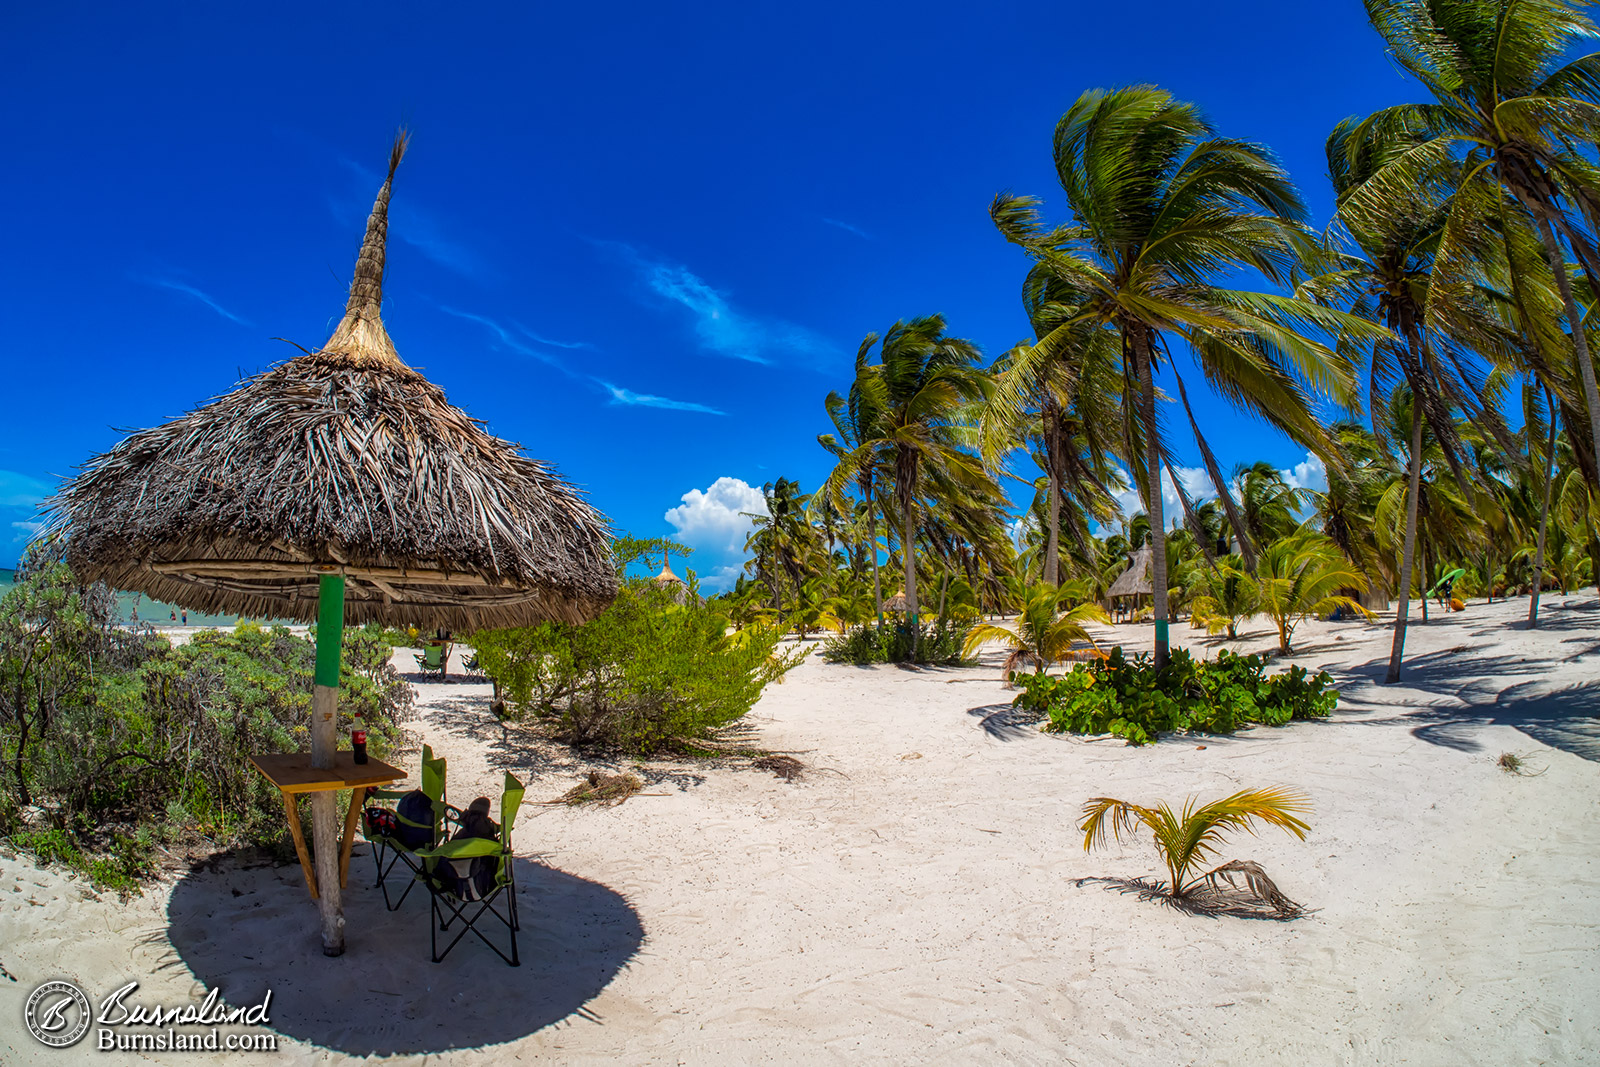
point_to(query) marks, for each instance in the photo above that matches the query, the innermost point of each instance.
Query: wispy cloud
(20, 491)
(510, 340)
(845, 226)
(546, 341)
(723, 328)
(203, 297)
(620, 395)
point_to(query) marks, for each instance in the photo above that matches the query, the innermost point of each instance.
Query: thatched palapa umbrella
(338, 486)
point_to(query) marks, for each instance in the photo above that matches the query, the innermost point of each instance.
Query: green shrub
(939, 644)
(647, 674)
(1136, 701)
(111, 741)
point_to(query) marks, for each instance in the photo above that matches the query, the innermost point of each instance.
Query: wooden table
(291, 773)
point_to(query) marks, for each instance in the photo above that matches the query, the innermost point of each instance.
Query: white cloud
(507, 340)
(845, 226)
(721, 579)
(1308, 474)
(714, 520)
(20, 491)
(620, 395)
(189, 290)
(725, 329)
(1195, 482)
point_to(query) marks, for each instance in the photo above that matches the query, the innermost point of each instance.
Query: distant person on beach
(174, 615)
(186, 617)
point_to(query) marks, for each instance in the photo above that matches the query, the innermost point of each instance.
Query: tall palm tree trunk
(872, 548)
(1409, 546)
(906, 477)
(1052, 453)
(1544, 518)
(1158, 533)
(1580, 342)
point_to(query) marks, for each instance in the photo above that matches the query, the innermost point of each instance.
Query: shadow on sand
(1504, 690)
(247, 930)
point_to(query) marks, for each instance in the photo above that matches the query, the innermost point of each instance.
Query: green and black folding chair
(435, 659)
(389, 831)
(458, 891)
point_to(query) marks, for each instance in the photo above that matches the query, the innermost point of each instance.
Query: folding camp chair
(455, 892)
(435, 659)
(386, 834)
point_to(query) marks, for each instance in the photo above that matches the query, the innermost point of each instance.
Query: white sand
(913, 900)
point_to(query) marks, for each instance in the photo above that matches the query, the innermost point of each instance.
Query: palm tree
(919, 390)
(1191, 838)
(781, 538)
(1506, 122)
(854, 418)
(1267, 502)
(1231, 596)
(1046, 629)
(1301, 576)
(1389, 279)
(1163, 211)
(1066, 382)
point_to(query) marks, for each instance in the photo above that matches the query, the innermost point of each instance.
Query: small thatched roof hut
(339, 461)
(675, 586)
(1135, 581)
(898, 602)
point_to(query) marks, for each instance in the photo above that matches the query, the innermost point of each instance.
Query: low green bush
(1137, 701)
(938, 644)
(113, 742)
(647, 674)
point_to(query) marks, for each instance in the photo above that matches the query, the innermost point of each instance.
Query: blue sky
(643, 242)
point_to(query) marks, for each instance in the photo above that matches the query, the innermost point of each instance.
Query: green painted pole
(324, 749)
(330, 628)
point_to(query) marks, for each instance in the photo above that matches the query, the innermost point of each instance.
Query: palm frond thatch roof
(343, 460)
(898, 602)
(1135, 581)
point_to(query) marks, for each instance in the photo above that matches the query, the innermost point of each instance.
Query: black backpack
(415, 807)
(477, 879)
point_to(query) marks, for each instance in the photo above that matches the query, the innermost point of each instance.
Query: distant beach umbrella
(897, 602)
(671, 582)
(338, 486)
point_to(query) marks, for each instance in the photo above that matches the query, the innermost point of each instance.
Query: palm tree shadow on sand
(245, 930)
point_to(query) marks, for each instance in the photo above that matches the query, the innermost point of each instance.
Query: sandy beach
(920, 895)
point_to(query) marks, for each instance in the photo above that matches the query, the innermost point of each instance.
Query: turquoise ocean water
(150, 611)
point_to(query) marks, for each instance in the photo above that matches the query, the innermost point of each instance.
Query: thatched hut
(342, 460)
(898, 602)
(1132, 584)
(339, 486)
(675, 587)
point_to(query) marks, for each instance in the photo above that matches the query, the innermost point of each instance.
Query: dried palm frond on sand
(606, 790)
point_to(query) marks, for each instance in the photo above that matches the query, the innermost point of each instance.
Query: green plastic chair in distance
(434, 659)
(388, 848)
(450, 906)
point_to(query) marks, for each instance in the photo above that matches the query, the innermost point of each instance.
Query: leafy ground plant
(1138, 701)
(939, 645)
(1191, 838)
